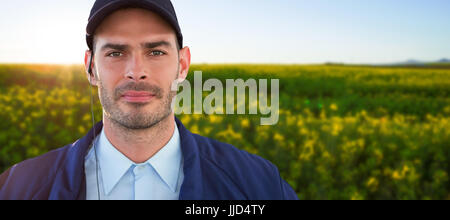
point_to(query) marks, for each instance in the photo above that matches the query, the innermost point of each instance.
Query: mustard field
(344, 132)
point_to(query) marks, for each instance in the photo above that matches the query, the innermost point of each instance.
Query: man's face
(136, 61)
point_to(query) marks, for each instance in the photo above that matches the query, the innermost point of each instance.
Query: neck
(139, 145)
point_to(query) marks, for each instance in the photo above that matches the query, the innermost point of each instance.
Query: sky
(248, 31)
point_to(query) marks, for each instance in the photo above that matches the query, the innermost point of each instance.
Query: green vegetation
(345, 132)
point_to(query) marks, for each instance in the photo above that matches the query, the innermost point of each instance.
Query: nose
(136, 69)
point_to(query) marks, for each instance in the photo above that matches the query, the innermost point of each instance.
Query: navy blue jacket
(212, 171)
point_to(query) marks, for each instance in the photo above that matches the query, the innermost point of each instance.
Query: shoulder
(253, 175)
(26, 178)
(226, 155)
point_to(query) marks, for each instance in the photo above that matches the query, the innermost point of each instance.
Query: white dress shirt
(160, 177)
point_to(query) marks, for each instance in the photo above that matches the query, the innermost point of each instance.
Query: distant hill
(443, 63)
(413, 62)
(444, 60)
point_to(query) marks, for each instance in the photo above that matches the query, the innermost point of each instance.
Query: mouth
(137, 96)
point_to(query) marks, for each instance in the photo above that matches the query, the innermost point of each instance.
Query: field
(344, 132)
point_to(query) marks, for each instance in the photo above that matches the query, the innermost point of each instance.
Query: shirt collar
(166, 162)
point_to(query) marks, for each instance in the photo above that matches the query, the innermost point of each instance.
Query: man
(140, 150)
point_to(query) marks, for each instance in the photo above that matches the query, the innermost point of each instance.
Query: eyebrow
(114, 46)
(148, 45)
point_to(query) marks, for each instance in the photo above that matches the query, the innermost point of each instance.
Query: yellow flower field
(344, 132)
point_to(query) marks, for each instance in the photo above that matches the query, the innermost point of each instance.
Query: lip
(137, 96)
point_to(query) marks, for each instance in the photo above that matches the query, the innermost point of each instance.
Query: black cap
(103, 8)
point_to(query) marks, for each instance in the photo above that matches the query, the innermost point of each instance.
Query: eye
(157, 53)
(115, 54)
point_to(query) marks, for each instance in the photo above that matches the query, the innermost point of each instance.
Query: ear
(184, 63)
(91, 76)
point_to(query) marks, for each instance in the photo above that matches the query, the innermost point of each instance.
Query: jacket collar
(70, 179)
